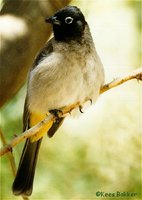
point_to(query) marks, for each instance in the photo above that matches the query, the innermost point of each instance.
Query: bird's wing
(26, 116)
(47, 50)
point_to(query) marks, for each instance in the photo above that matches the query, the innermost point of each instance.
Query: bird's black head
(68, 23)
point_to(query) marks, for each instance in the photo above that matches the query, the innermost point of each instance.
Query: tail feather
(23, 183)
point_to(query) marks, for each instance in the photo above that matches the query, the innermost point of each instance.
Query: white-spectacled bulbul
(67, 70)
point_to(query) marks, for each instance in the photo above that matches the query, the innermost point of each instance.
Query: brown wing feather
(26, 116)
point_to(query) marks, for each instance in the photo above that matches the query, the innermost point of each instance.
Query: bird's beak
(53, 20)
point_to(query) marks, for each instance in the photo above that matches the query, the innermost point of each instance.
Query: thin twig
(10, 158)
(24, 135)
(137, 74)
(32, 131)
(9, 155)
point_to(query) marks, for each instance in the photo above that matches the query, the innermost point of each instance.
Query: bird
(67, 70)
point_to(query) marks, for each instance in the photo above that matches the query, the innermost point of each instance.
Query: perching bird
(67, 70)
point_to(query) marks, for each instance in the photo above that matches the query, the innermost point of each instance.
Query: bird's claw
(80, 108)
(91, 101)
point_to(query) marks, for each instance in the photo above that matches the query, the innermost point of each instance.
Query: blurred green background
(101, 150)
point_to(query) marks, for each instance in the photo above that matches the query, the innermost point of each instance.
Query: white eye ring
(68, 20)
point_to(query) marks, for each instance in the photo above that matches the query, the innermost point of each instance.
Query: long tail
(23, 183)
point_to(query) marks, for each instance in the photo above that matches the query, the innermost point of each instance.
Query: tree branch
(11, 159)
(137, 74)
(9, 155)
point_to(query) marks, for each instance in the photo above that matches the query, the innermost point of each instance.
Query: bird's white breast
(62, 79)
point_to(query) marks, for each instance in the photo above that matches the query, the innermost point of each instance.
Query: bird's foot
(57, 113)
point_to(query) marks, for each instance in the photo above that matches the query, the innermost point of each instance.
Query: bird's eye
(68, 20)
